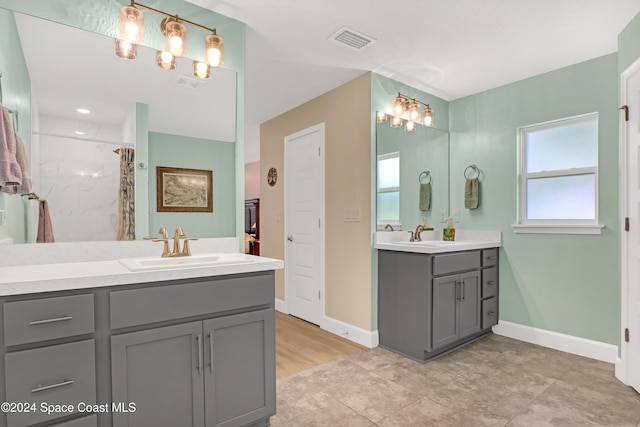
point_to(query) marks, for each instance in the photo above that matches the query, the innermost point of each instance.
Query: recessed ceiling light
(82, 110)
(79, 132)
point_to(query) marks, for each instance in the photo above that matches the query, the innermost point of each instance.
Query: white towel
(23, 162)
(10, 172)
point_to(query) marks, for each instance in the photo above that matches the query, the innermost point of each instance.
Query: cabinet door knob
(290, 238)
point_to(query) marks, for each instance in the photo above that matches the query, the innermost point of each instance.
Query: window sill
(557, 228)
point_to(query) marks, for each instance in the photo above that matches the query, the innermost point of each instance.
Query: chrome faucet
(388, 227)
(419, 229)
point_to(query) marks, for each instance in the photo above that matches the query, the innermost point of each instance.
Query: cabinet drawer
(90, 421)
(489, 312)
(47, 318)
(489, 282)
(160, 303)
(454, 262)
(489, 257)
(62, 374)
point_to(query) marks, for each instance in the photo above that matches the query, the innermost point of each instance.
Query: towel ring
(425, 174)
(473, 168)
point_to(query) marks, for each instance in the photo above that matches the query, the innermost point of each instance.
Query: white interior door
(631, 238)
(304, 223)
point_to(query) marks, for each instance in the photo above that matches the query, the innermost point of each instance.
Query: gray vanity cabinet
(455, 308)
(157, 370)
(429, 304)
(208, 373)
(216, 371)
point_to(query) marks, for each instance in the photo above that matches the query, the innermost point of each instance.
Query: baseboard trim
(281, 306)
(567, 343)
(352, 333)
(620, 372)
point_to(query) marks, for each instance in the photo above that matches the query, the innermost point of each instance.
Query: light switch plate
(352, 215)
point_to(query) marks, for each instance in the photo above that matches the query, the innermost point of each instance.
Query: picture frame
(184, 190)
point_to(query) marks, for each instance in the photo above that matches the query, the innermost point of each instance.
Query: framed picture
(184, 190)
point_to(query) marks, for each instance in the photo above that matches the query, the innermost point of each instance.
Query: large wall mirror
(187, 122)
(406, 161)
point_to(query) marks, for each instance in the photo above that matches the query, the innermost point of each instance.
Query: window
(559, 177)
(388, 200)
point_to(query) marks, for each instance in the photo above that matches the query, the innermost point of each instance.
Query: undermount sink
(173, 263)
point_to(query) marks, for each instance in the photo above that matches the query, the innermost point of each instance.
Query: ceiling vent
(352, 38)
(187, 82)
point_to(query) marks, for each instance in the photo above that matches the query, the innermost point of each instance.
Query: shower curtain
(126, 199)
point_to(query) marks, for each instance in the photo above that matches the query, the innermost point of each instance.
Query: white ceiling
(448, 48)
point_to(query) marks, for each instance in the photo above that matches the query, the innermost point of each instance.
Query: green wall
(195, 153)
(629, 44)
(16, 90)
(564, 283)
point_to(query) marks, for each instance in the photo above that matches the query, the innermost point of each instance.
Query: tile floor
(495, 381)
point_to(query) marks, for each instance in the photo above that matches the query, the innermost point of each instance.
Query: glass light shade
(427, 117)
(414, 111)
(396, 122)
(165, 60)
(214, 50)
(398, 106)
(409, 126)
(201, 70)
(175, 35)
(126, 49)
(131, 24)
(381, 117)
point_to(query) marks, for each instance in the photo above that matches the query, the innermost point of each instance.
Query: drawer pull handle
(44, 322)
(211, 352)
(491, 313)
(52, 386)
(491, 258)
(491, 282)
(199, 339)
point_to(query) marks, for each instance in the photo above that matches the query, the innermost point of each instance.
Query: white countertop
(432, 242)
(34, 277)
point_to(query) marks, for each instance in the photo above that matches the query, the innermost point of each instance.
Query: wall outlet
(456, 216)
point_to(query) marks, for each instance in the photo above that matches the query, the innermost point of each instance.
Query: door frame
(288, 288)
(622, 368)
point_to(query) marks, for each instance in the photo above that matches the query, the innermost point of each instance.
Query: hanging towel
(10, 172)
(425, 196)
(471, 193)
(45, 230)
(23, 162)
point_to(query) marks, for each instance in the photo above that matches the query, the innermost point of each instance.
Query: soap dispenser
(449, 233)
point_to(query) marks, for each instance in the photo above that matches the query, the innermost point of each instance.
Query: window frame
(380, 224)
(554, 226)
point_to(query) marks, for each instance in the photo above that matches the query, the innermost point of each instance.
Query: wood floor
(301, 345)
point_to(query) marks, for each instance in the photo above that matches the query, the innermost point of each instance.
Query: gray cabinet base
(432, 355)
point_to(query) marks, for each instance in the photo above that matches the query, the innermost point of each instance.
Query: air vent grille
(188, 82)
(352, 38)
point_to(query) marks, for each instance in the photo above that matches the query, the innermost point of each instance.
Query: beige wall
(252, 180)
(346, 112)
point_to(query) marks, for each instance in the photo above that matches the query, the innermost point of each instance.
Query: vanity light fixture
(396, 121)
(201, 70)
(381, 117)
(409, 108)
(176, 36)
(175, 33)
(165, 60)
(125, 49)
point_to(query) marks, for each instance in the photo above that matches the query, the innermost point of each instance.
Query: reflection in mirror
(72, 160)
(405, 161)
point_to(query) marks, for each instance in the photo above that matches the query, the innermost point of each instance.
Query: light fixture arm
(407, 98)
(176, 17)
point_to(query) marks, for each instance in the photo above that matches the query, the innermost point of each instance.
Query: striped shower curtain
(126, 199)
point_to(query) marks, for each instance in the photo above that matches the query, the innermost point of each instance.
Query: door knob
(290, 238)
